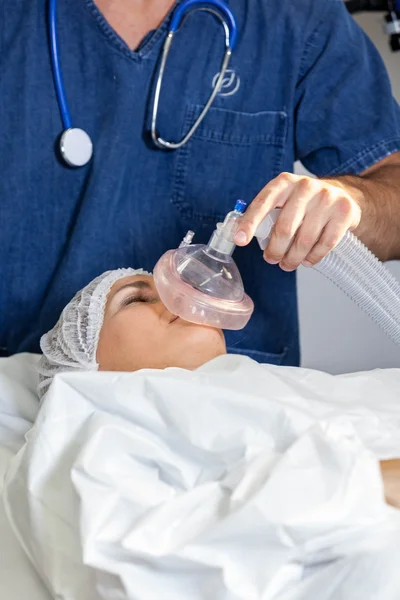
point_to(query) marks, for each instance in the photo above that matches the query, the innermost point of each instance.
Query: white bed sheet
(298, 389)
(110, 428)
(18, 408)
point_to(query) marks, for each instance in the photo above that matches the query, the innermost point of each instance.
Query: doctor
(303, 83)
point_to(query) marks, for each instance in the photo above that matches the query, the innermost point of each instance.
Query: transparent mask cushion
(201, 283)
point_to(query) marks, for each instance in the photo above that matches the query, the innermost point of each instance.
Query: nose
(169, 316)
(165, 315)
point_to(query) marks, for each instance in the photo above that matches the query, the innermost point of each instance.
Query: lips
(174, 318)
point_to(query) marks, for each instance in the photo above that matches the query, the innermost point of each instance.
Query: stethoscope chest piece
(76, 147)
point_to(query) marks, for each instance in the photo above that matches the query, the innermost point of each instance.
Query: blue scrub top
(305, 83)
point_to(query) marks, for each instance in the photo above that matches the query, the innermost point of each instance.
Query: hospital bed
(232, 425)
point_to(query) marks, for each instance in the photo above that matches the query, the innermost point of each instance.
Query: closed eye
(133, 292)
(136, 298)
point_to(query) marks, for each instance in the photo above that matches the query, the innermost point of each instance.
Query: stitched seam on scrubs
(273, 355)
(178, 195)
(276, 120)
(181, 199)
(117, 42)
(310, 42)
(107, 31)
(369, 157)
(259, 139)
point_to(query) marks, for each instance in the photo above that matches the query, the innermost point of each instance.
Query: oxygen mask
(201, 283)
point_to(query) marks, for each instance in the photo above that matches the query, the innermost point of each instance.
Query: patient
(118, 323)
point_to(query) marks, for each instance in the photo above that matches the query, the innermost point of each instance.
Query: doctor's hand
(315, 214)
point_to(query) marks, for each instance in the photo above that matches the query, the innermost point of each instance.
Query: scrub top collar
(145, 47)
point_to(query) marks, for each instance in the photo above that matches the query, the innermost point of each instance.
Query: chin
(201, 346)
(201, 328)
(204, 331)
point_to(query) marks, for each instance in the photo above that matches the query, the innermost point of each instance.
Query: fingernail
(306, 263)
(271, 261)
(240, 237)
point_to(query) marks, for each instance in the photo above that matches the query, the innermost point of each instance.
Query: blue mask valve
(240, 206)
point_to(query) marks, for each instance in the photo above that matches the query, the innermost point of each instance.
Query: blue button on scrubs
(305, 84)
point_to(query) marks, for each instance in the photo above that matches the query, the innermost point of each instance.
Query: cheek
(127, 340)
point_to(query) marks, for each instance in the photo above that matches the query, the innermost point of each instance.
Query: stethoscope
(75, 144)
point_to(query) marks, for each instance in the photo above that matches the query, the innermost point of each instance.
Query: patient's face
(139, 332)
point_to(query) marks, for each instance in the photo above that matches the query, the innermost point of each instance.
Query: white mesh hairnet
(72, 343)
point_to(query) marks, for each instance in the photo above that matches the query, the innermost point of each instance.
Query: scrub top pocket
(232, 155)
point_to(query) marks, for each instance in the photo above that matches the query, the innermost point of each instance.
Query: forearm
(377, 192)
(390, 470)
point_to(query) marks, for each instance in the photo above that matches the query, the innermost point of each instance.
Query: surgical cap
(72, 343)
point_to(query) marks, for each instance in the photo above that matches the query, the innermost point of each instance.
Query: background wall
(335, 335)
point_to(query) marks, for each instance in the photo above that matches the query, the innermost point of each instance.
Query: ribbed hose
(364, 279)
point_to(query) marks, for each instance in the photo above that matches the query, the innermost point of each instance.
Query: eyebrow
(138, 285)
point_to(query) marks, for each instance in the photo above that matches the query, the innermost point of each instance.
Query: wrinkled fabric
(236, 481)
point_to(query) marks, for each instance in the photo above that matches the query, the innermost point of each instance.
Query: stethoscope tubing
(57, 72)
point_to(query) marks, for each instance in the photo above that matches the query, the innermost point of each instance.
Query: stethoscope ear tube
(75, 144)
(225, 14)
(55, 60)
